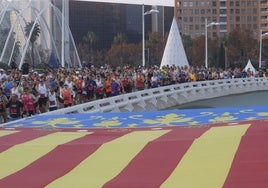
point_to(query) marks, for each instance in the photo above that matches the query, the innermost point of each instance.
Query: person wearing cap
(3, 105)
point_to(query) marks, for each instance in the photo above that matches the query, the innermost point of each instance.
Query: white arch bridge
(168, 96)
(18, 22)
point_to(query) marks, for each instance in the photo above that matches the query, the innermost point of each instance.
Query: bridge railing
(168, 96)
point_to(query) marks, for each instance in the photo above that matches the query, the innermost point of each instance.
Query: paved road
(192, 117)
(189, 148)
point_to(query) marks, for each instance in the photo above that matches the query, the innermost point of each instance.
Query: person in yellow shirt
(192, 76)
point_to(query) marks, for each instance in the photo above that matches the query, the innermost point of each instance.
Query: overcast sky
(146, 2)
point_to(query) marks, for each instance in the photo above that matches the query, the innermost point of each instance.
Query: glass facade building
(106, 20)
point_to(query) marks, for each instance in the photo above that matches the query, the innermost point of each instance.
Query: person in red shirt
(79, 84)
(66, 95)
(108, 87)
(140, 81)
(28, 100)
(127, 86)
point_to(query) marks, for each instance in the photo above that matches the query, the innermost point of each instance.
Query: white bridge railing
(168, 96)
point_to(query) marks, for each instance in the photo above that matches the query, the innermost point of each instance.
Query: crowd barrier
(168, 96)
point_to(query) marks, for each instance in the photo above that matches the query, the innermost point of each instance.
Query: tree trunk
(33, 54)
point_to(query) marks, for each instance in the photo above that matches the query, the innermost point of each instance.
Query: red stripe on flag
(250, 165)
(59, 161)
(157, 160)
(23, 135)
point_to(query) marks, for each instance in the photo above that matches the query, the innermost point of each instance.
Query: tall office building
(246, 14)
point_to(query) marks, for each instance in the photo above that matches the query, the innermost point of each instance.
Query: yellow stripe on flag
(21, 155)
(4, 133)
(208, 160)
(108, 161)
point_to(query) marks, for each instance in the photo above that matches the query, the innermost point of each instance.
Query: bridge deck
(221, 147)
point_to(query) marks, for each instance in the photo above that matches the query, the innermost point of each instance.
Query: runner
(3, 105)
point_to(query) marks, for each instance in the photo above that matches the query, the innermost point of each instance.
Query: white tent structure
(250, 66)
(174, 53)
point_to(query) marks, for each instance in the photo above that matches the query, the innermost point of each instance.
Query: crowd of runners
(34, 93)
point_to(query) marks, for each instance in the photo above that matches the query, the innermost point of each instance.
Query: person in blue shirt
(115, 88)
(8, 85)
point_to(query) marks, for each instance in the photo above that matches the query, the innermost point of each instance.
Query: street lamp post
(261, 36)
(206, 38)
(143, 35)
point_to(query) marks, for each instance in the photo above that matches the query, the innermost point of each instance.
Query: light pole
(261, 35)
(206, 38)
(143, 37)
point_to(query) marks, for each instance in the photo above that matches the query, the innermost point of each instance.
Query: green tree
(33, 36)
(156, 48)
(120, 39)
(16, 51)
(90, 39)
(132, 54)
(241, 46)
(265, 49)
(188, 47)
(198, 51)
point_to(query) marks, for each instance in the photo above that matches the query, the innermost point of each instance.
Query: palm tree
(16, 51)
(33, 36)
(120, 39)
(91, 39)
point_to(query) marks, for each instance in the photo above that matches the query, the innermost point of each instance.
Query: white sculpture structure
(174, 53)
(55, 36)
(250, 67)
